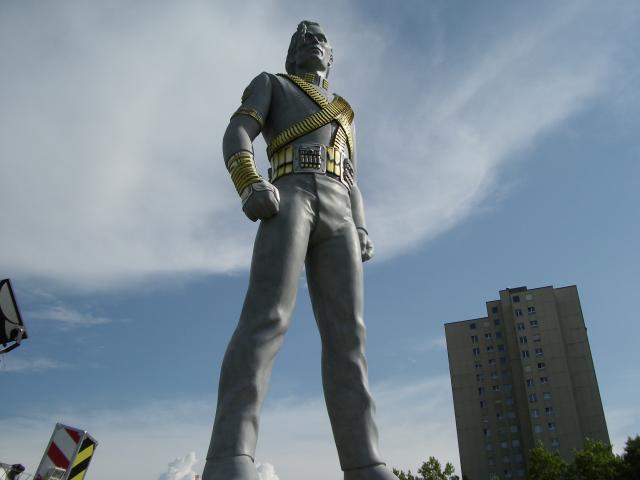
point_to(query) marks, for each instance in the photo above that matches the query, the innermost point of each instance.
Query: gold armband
(243, 170)
(251, 112)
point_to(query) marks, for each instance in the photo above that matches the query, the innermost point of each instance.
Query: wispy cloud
(114, 130)
(19, 364)
(68, 316)
(436, 344)
(415, 419)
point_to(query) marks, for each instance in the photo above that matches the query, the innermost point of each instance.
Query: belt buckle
(310, 158)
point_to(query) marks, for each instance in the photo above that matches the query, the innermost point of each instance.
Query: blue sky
(497, 147)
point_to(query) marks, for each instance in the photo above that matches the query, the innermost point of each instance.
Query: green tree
(430, 470)
(630, 468)
(546, 465)
(596, 461)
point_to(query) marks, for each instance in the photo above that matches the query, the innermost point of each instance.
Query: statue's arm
(260, 199)
(357, 212)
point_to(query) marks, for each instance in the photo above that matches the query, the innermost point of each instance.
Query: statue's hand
(261, 201)
(366, 245)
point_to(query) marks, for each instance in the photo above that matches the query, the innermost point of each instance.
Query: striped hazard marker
(81, 462)
(68, 454)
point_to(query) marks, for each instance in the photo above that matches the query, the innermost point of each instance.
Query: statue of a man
(311, 214)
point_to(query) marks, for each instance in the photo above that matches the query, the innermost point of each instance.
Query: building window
(490, 461)
(548, 411)
(511, 415)
(520, 326)
(483, 404)
(506, 387)
(474, 338)
(546, 395)
(494, 375)
(515, 443)
(535, 413)
(479, 377)
(501, 348)
(527, 368)
(516, 299)
(537, 428)
(538, 352)
(476, 352)
(531, 310)
(555, 442)
(500, 415)
(504, 445)
(533, 323)
(541, 365)
(490, 348)
(492, 361)
(528, 297)
(480, 390)
(495, 388)
(536, 338)
(544, 379)
(525, 353)
(518, 312)
(551, 425)
(503, 360)
(509, 401)
(533, 398)
(477, 365)
(506, 459)
(486, 432)
(494, 309)
(523, 339)
(488, 447)
(498, 335)
(513, 428)
(529, 382)
(496, 321)
(488, 336)
(472, 326)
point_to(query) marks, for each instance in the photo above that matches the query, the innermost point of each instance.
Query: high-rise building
(523, 374)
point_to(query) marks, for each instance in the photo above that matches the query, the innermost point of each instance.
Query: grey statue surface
(311, 213)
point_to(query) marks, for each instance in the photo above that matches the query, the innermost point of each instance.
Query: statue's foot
(378, 472)
(231, 468)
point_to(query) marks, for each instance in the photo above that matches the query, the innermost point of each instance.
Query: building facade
(523, 374)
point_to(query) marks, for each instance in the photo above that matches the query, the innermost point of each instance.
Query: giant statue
(311, 214)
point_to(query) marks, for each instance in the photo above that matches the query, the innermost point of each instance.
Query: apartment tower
(523, 374)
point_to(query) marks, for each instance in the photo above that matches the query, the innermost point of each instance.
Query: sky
(496, 149)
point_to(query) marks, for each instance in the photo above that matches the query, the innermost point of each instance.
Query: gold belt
(312, 158)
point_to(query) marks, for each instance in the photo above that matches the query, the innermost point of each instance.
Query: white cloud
(67, 316)
(431, 345)
(622, 422)
(111, 125)
(181, 468)
(415, 420)
(15, 363)
(266, 471)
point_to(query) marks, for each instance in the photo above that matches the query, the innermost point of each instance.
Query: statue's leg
(278, 256)
(334, 276)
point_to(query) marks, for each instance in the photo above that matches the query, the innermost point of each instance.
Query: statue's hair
(296, 38)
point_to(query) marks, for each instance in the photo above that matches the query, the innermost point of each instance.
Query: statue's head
(309, 50)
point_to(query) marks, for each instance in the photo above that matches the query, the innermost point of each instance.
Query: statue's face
(314, 52)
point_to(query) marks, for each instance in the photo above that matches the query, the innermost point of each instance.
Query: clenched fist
(262, 201)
